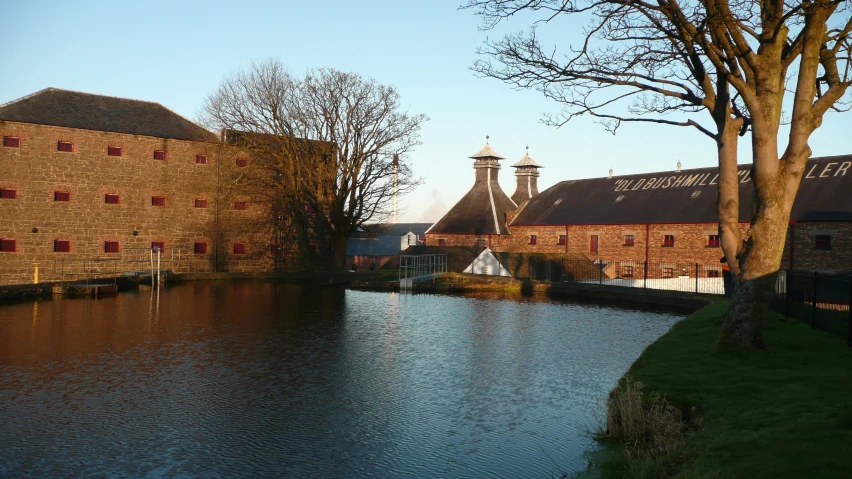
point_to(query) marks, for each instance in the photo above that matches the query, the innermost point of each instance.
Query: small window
(823, 242)
(200, 159)
(593, 244)
(113, 151)
(111, 199)
(200, 203)
(159, 155)
(61, 246)
(158, 245)
(11, 142)
(533, 239)
(713, 241)
(310, 209)
(8, 194)
(110, 246)
(239, 248)
(7, 245)
(65, 146)
(200, 248)
(480, 242)
(627, 271)
(562, 240)
(240, 205)
(668, 241)
(668, 272)
(61, 196)
(628, 240)
(158, 201)
(241, 162)
(442, 242)
(713, 273)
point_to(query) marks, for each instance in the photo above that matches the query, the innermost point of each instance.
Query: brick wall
(34, 220)
(691, 243)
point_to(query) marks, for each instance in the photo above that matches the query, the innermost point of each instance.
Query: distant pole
(395, 188)
(35, 273)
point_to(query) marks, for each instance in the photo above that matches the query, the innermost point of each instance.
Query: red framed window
(627, 271)
(200, 159)
(240, 205)
(714, 273)
(593, 244)
(65, 146)
(533, 239)
(480, 243)
(11, 142)
(61, 196)
(629, 240)
(7, 245)
(111, 199)
(110, 246)
(61, 246)
(668, 241)
(239, 248)
(822, 242)
(113, 151)
(668, 272)
(161, 245)
(158, 201)
(8, 194)
(562, 240)
(199, 203)
(159, 155)
(241, 162)
(199, 248)
(713, 241)
(442, 242)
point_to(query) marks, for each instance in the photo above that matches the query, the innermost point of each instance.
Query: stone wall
(34, 220)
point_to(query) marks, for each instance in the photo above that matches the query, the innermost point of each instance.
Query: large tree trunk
(338, 245)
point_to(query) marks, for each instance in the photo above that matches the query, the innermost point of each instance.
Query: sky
(177, 52)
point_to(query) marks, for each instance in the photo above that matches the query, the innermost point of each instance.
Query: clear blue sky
(177, 52)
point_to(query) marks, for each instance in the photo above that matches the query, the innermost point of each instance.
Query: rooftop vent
(695, 194)
(679, 165)
(610, 173)
(620, 197)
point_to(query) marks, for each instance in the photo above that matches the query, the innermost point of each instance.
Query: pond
(260, 379)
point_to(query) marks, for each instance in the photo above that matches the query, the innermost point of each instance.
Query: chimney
(526, 173)
(486, 165)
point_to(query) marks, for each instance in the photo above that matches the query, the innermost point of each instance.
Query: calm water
(271, 380)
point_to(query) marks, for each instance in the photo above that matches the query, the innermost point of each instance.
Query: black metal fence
(672, 275)
(819, 299)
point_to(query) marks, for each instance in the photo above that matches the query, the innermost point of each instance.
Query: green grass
(782, 412)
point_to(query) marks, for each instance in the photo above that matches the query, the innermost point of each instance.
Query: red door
(593, 243)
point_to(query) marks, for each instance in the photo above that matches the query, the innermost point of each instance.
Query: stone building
(86, 176)
(662, 218)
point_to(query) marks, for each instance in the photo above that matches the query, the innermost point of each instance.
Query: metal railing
(671, 275)
(819, 299)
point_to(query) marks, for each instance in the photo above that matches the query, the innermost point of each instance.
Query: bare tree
(324, 144)
(671, 59)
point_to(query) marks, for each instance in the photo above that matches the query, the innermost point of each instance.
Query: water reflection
(268, 379)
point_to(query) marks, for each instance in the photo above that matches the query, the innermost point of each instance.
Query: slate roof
(486, 152)
(482, 211)
(400, 229)
(381, 246)
(87, 111)
(688, 196)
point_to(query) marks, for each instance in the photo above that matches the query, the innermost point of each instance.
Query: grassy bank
(783, 412)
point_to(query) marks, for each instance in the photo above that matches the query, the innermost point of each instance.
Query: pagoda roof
(527, 161)
(487, 152)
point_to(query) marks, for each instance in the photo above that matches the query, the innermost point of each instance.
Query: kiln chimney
(526, 173)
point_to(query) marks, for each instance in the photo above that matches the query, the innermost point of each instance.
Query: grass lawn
(782, 412)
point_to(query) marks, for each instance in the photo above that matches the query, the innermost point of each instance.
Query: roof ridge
(16, 100)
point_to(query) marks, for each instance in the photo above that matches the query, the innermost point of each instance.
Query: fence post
(849, 307)
(788, 278)
(813, 300)
(600, 272)
(696, 277)
(645, 281)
